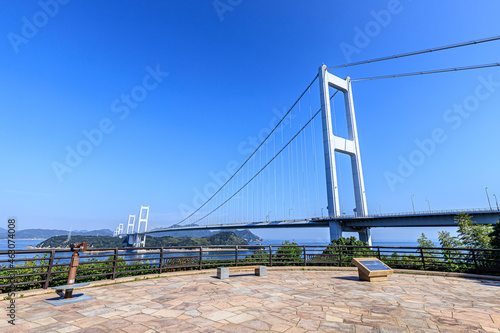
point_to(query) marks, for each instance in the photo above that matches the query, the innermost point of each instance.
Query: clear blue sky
(219, 76)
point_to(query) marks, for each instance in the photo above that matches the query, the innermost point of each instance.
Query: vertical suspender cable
(283, 177)
(275, 196)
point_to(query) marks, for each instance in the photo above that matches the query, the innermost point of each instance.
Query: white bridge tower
(143, 218)
(349, 146)
(130, 224)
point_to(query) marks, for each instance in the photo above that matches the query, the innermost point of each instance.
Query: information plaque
(371, 269)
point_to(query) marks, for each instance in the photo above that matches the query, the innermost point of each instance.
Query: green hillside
(245, 234)
(222, 238)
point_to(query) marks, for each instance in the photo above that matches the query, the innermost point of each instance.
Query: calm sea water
(325, 242)
(21, 244)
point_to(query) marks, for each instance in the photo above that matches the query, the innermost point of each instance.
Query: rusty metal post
(49, 269)
(475, 260)
(115, 263)
(270, 255)
(201, 258)
(161, 260)
(236, 255)
(305, 259)
(340, 256)
(423, 258)
(75, 258)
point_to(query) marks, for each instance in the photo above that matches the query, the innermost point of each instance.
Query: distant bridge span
(356, 223)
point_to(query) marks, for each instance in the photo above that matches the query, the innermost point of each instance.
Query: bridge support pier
(131, 239)
(365, 235)
(335, 230)
(136, 240)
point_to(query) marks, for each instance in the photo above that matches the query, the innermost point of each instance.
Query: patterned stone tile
(284, 301)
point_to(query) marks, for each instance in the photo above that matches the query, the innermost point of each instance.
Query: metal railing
(32, 269)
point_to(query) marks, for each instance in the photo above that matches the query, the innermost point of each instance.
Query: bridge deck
(419, 219)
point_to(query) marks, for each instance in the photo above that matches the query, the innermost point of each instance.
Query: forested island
(245, 234)
(95, 242)
(47, 233)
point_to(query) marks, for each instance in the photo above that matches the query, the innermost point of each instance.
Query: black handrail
(48, 269)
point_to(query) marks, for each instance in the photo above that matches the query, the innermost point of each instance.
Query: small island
(96, 242)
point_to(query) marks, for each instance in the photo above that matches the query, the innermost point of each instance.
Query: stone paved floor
(284, 301)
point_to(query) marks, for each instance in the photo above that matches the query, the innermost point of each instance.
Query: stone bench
(223, 272)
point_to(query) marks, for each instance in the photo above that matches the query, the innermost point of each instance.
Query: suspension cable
(402, 55)
(269, 162)
(253, 153)
(429, 72)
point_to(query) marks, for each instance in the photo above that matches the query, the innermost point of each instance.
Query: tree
(346, 251)
(348, 241)
(473, 235)
(447, 241)
(495, 236)
(423, 241)
(289, 252)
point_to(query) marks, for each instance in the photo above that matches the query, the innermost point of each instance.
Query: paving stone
(336, 327)
(309, 324)
(257, 325)
(136, 328)
(392, 329)
(116, 323)
(232, 328)
(238, 319)
(286, 301)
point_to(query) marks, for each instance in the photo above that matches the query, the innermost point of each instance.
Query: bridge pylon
(130, 224)
(140, 240)
(349, 146)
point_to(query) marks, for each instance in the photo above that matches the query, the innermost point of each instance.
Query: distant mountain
(100, 232)
(3, 231)
(47, 233)
(245, 234)
(222, 238)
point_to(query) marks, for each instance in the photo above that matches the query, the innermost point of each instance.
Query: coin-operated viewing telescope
(75, 259)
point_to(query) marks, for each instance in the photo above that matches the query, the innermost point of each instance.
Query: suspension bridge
(281, 184)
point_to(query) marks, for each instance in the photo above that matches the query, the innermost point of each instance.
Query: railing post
(475, 260)
(161, 259)
(340, 256)
(270, 255)
(236, 255)
(304, 248)
(201, 258)
(49, 269)
(423, 258)
(115, 259)
(378, 250)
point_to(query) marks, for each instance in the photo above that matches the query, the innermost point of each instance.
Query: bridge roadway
(356, 223)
